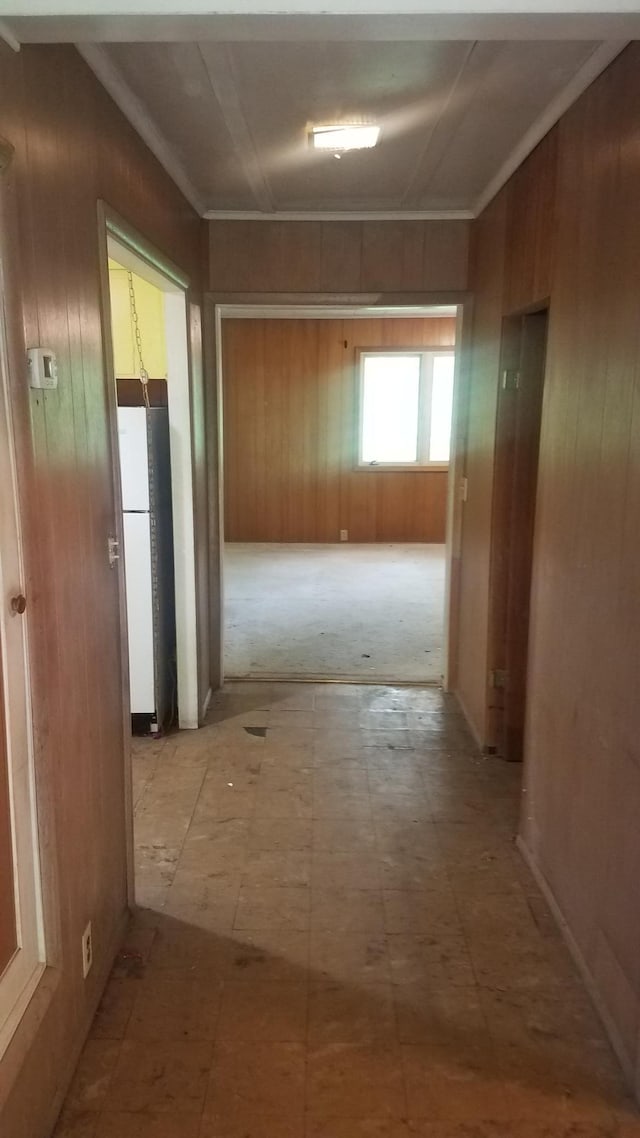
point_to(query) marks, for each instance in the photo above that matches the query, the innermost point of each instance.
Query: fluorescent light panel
(344, 137)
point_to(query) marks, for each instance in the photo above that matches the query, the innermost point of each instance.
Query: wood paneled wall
(72, 147)
(290, 435)
(338, 256)
(573, 225)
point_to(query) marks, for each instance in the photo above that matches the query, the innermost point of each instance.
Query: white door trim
(23, 972)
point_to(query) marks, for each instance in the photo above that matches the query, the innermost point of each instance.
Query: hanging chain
(144, 374)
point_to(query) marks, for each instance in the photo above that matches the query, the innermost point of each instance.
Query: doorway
(519, 416)
(335, 558)
(160, 298)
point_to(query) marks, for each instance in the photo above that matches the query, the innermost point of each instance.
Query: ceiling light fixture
(350, 137)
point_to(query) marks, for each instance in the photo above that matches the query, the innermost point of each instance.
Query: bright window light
(344, 137)
(441, 408)
(391, 397)
(406, 404)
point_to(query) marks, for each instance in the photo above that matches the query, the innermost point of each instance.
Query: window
(406, 402)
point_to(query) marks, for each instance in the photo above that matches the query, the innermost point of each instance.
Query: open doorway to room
(337, 436)
(145, 304)
(518, 423)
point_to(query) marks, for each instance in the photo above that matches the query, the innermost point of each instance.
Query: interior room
(377, 903)
(336, 451)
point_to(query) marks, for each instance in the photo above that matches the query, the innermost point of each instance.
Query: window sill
(406, 468)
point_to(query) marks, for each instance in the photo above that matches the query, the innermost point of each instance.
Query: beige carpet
(363, 612)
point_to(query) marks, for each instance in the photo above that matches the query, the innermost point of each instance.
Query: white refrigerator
(145, 471)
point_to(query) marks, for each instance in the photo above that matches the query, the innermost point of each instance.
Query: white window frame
(427, 357)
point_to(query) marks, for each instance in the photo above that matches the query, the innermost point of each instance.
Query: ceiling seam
(437, 121)
(223, 82)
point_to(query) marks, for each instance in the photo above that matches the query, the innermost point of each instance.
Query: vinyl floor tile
(338, 939)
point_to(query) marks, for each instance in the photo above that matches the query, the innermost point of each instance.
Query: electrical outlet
(87, 951)
(344, 535)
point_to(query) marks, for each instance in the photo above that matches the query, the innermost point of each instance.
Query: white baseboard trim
(583, 968)
(468, 720)
(205, 705)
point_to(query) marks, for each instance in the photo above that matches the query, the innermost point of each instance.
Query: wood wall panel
(290, 429)
(574, 207)
(334, 256)
(71, 150)
(531, 208)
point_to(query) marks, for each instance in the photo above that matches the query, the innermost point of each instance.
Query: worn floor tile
(168, 1077)
(256, 1125)
(270, 834)
(454, 1080)
(434, 960)
(114, 1009)
(76, 1124)
(358, 958)
(273, 907)
(350, 869)
(350, 1013)
(336, 834)
(362, 1128)
(352, 1080)
(249, 1080)
(93, 1075)
(432, 912)
(148, 1125)
(270, 954)
(277, 867)
(338, 939)
(347, 910)
(257, 1010)
(170, 1006)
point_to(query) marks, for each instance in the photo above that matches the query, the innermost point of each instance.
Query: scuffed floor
(338, 939)
(363, 612)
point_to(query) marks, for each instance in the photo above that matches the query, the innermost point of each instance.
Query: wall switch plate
(87, 951)
(43, 369)
(344, 535)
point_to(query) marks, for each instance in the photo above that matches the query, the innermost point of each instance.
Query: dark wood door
(517, 450)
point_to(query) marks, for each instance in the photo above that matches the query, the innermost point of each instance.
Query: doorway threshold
(361, 681)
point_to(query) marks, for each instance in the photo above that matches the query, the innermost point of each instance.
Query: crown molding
(341, 215)
(336, 311)
(597, 62)
(134, 110)
(8, 37)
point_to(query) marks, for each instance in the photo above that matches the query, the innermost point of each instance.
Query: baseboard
(76, 1049)
(322, 678)
(205, 705)
(469, 721)
(581, 964)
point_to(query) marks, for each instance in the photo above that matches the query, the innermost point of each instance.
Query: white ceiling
(227, 111)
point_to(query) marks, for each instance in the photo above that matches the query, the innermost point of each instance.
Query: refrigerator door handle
(113, 550)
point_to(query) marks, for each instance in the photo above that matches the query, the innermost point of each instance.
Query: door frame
(41, 884)
(218, 306)
(117, 237)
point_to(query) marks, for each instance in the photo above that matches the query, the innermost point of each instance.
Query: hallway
(338, 939)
